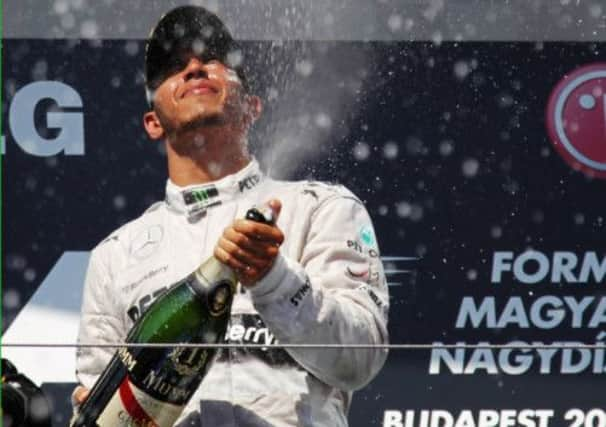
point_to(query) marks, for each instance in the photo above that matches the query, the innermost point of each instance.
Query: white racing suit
(326, 286)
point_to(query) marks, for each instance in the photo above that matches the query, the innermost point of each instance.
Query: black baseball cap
(181, 31)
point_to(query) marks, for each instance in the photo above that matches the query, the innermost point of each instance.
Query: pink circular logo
(576, 119)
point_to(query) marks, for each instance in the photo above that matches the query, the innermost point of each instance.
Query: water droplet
(414, 146)
(31, 184)
(437, 38)
(538, 216)
(29, 275)
(11, 299)
(235, 58)
(131, 48)
(416, 214)
(51, 162)
(579, 219)
(496, 232)
(403, 209)
(89, 29)
(119, 202)
(394, 22)
(60, 7)
(198, 46)
(470, 167)
(505, 100)
(461, 69)
(587, 102)
(390, 150)
(446, 147)
(304, 67)
(38, 409)
(323, 121)
(361, 151)
(595, 10)
(39, 70)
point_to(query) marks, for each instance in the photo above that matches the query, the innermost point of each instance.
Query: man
(314, 277)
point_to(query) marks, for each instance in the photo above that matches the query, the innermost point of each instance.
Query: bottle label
(131, 407)
(219, 298)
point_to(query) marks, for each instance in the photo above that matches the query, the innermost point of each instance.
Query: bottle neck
(213, 270)
(212, 274)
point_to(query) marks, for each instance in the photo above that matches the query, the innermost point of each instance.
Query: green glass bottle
(151, 386)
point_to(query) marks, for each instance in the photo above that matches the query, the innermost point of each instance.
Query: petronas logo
(367, 236)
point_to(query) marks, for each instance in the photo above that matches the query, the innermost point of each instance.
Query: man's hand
(250, 247)
(79, 395)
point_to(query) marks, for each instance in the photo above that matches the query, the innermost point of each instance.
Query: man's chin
(202, 121)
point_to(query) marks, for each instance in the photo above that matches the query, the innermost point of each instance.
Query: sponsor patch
(145, 277)
(367, 237)
(312, 193)
(137, 309)
(576, 116)
(147, 241)
(250, 329)
(200, 195)
(300, 294)
(368, 273)
(358, 272)
(249, 182)
(199, 200)
(374, 297)
(356, 246)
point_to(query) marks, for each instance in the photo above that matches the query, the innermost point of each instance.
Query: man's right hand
(79, 395)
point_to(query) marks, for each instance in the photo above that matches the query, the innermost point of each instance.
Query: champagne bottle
(151, 386)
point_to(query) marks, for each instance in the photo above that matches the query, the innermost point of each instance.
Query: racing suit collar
(194, 200)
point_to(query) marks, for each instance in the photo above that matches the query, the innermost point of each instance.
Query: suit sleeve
(335, 294)
(99, 322)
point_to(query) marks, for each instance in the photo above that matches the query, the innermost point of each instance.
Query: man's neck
(206, 162)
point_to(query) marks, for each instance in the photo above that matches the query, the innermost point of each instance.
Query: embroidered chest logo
(147, 241)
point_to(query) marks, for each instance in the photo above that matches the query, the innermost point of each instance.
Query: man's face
(197, 94)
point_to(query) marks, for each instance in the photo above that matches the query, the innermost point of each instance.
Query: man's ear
(255, 107)
(152, 125)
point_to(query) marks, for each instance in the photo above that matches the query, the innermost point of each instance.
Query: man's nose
(195, 69)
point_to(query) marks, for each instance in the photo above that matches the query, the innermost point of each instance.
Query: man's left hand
(250, 247)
